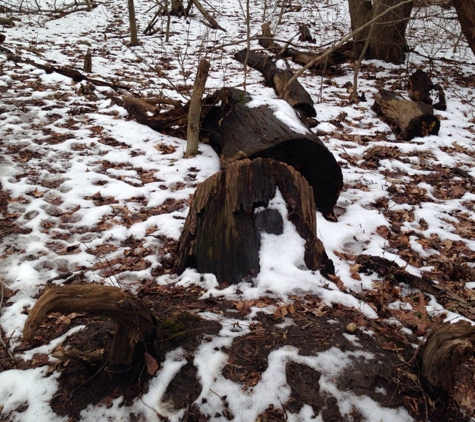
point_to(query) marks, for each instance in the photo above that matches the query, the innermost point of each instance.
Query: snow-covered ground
(87, 190)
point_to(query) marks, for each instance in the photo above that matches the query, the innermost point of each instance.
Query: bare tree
(388, 41)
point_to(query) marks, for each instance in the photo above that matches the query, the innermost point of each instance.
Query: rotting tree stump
(420, 86)
(445, 350)
(222, 231)
(408, 119)
(136, 325)
(237, 131)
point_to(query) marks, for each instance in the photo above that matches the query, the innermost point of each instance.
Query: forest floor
(87, 195)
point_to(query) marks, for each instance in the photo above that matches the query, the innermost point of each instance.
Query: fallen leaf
(151, 364)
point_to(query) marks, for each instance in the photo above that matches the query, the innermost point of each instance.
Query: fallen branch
(214, 24)
(75, 75)
(393, 273)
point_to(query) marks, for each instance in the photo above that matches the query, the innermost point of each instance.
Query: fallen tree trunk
(277, 78)
(408, 119)
(236, 129)
(136, 325)
(223, 229)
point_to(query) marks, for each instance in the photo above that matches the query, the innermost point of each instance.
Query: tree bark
(134, 40)
(177, 8)
(445, 349)
(407, 118)
(194, 113)
(466, 14)
(136, 325)
(237, 131)
(223, 229)
(388, 41)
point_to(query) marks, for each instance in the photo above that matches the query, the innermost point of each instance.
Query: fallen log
(238, 129)
(136, 326)
(222, 232)
(408, 119)
(277, 78)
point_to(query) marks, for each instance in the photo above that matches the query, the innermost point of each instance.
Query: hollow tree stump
(238, 130)
(408, 119)
(222, 231)
(136, 325)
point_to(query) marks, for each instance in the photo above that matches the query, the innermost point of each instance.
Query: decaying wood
(277, 78)
(87, 62)
(446, 348)
(237, 131)
(147, 114)
(136, 325)
(194, 113)
(305, 34)
(407, 118)
(223, 229)
(419, 87)
(395, 274)
(338, 56)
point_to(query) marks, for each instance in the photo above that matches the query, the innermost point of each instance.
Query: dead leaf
(383, 231)
(151, 364)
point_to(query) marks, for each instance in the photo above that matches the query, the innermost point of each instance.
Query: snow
(53, 193)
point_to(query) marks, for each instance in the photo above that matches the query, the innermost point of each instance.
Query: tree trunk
(388, 42)
(237, 131)
(466, 14)
(134, 40)
(223, 228)
(177, 8)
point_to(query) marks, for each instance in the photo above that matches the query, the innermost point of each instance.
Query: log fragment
(444, 351)
(408, 119)
(237, 131)
(222, 231)
(136, 325)
(420, 86)
(277, 78)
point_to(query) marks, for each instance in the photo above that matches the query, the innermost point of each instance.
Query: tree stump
(237, 131)
(222, 232)
(136, 325)
(444, 350)
(420, 86)
(408, 119)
